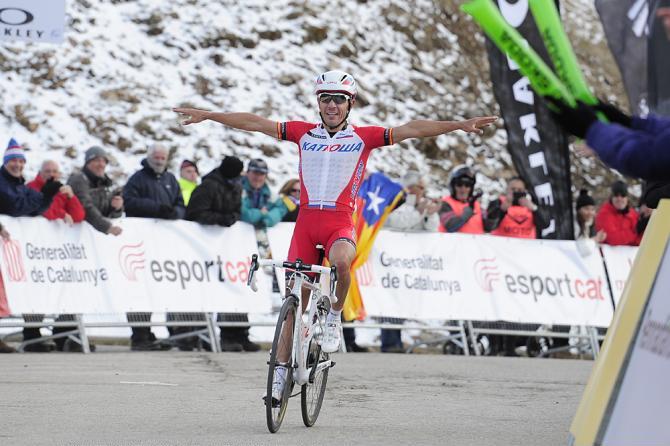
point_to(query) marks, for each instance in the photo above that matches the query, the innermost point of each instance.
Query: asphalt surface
(177, 398)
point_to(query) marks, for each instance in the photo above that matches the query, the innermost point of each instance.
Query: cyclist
(333, 155)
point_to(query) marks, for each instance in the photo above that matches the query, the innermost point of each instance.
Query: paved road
(214, 399)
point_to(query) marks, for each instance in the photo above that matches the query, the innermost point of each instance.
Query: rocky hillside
(126, 63)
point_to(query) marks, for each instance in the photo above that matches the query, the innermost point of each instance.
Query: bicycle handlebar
(298, 265)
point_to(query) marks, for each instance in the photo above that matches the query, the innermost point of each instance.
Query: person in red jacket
(65, 205)
(617, 219)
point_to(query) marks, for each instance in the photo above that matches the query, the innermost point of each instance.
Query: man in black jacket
(152, 192)
(218, 201)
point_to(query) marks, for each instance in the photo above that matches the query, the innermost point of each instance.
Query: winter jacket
(151, 195)
(187, 187)
(459, 216)
(292, 208)
(254, 200)
(95, 194)
(216, 201)
(620, 226)
(643, 150)
(17, 199)
(61, 204)
(406, 217)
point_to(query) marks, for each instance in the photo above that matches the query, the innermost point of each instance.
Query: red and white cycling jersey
(331, 168)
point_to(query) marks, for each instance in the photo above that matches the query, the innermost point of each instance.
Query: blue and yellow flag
(376, 199)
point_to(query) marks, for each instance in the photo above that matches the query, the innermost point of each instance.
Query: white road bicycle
(296, 344)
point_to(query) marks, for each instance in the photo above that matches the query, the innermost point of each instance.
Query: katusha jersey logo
(486, 273)
(131, 260)
(11, 252)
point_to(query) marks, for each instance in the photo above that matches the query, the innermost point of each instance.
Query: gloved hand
(167, 212)
(613, 114)
(50, 188)
(474, 197)
(573, 120)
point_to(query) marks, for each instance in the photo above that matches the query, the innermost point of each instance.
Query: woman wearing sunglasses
(290, 195)
(333, 154)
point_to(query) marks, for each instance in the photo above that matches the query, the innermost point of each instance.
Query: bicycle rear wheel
(312, 393)
(280, 355)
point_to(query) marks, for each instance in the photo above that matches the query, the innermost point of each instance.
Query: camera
(517, 195)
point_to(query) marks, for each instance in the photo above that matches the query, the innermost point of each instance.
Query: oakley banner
(32, 20)
(538, 146)
(154, 265)
(658, 60)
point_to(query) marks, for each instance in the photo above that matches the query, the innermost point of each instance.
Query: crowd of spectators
(227, 195)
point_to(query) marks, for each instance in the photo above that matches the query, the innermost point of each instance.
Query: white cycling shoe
(278, 383)
(330, 343)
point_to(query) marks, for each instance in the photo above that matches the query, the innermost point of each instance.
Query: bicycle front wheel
(311, 395)
(280, 356)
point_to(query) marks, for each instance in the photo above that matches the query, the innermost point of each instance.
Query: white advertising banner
(32, 20)
(154, 265)
(458, 276)
(640, 411)
(619, 261)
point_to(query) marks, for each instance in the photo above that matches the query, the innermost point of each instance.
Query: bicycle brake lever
(251, 281)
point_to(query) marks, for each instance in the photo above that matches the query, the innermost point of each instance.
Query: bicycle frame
(303, 331)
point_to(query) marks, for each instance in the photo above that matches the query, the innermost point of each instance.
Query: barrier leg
(595, 347)
(83, 337)
(211, 330)
(473, 338)
(464, 339)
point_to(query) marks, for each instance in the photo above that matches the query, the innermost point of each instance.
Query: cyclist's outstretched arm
(242, 121)
(424, 128)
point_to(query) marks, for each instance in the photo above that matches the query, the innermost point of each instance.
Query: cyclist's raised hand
(475, 125)
(193, 115)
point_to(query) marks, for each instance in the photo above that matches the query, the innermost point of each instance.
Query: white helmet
(336, 81)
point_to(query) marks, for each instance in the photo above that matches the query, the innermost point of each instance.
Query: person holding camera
(513, 214)
(95, 191)
(416, 212)
(461, 211)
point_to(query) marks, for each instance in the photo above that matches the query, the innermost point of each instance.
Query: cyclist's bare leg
(341, 255)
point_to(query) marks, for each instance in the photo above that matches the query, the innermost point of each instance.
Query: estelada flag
(376, 199)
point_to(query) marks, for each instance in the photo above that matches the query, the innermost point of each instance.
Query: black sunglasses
(295, 190)
(339, 99)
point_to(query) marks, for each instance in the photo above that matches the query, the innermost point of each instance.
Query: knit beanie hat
(619, 188)
(95, 152)
(584, 199)
(231, 167)
(14, 150)
(189, 163)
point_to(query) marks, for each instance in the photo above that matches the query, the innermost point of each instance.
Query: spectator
(262, 210)
(461, 211)
(585, 218)
(617, 219)
(290, 195)
(152, 192)
(417, 213)
(218, 201)
(632, 145)
(17, 200)
(188, 179)
(66, 207)
(94, 190)
(259, 207)
(513, 214)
